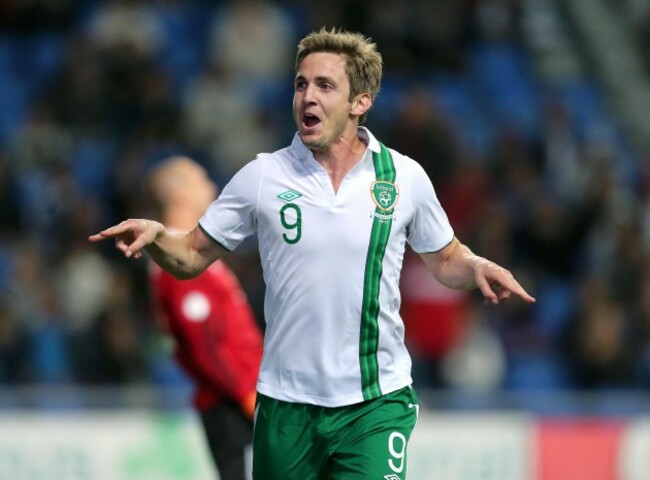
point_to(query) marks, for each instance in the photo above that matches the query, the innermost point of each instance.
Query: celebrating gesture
(333, 212)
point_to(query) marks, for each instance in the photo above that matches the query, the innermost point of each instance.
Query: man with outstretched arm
(333, 212)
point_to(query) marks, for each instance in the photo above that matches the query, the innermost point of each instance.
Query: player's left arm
(456, 266)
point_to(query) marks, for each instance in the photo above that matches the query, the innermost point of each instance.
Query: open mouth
(309, 120)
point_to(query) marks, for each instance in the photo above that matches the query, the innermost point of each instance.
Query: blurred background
(530, 116)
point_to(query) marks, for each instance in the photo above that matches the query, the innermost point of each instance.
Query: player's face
(321, 100)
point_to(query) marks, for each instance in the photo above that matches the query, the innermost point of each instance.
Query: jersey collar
(302, 152)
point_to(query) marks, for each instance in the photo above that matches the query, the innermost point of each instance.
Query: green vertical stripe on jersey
(369, 337)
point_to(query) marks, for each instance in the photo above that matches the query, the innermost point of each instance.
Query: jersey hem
(284, 396)
(436, 250)
(214, 239)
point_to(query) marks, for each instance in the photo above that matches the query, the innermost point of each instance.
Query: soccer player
(333, 212)
(217, 341)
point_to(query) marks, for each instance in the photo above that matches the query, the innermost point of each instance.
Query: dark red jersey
(217, 341)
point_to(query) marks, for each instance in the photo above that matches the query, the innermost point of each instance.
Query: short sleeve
(232, 216)
(429, 230)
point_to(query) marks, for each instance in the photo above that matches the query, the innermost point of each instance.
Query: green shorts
(368, 440)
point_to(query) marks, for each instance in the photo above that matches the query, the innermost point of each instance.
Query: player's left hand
(498, 284)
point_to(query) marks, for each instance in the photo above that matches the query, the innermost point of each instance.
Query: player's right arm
(184, 255)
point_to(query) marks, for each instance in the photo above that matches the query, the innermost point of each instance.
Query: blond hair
(363, 63)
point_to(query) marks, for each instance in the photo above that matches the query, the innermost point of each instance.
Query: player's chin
(313, 142)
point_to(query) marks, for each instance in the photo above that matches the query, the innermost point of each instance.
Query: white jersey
(331, 265)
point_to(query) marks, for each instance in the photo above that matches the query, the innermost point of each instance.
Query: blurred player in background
(217, 341)
(333, 212)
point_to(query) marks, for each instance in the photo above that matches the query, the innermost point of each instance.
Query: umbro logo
(289, 195)
(392, 477)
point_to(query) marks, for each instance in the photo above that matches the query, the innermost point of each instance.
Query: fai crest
(384, 194)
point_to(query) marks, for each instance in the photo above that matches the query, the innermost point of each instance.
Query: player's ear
(361, 104)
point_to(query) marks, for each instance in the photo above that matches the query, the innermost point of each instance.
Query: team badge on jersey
(384, 194)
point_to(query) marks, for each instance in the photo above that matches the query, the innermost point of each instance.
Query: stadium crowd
(534, 174)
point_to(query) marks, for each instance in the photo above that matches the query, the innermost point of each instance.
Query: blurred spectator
(492, 231)
(625, 270)
(79, 96)
(41, 158)
(51, 359)
(233, 136)
(10, 220)
(35, 303)
(599, 341)
(389, 26)
(28, 16)
(159, 113)
(42, 144)
(334, 13)
(29, 279)
(15, 365)
(109, 351)
(497, 20)
(117, 74)
(419, 124)
(564, 172)
(642, 33)
(643, 329)
(127, 25)
(418, 36)
(477, 362)
(464, 194)
(253, 40)
(85, 279)
(553, 237)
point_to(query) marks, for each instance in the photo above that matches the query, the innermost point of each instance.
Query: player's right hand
(131, 235)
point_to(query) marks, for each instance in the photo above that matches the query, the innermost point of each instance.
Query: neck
(340, 157)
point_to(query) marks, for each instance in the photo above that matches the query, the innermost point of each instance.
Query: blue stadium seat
(46, 52)
(7, 53)
(7, 255)
(458, 99)
(51, 359)
(15, 101)
(553, 308)
(584, 100)
(186, 31)
(392, 86)
(506, 85)
(92, 165)
(535, 371)
(165, 372)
